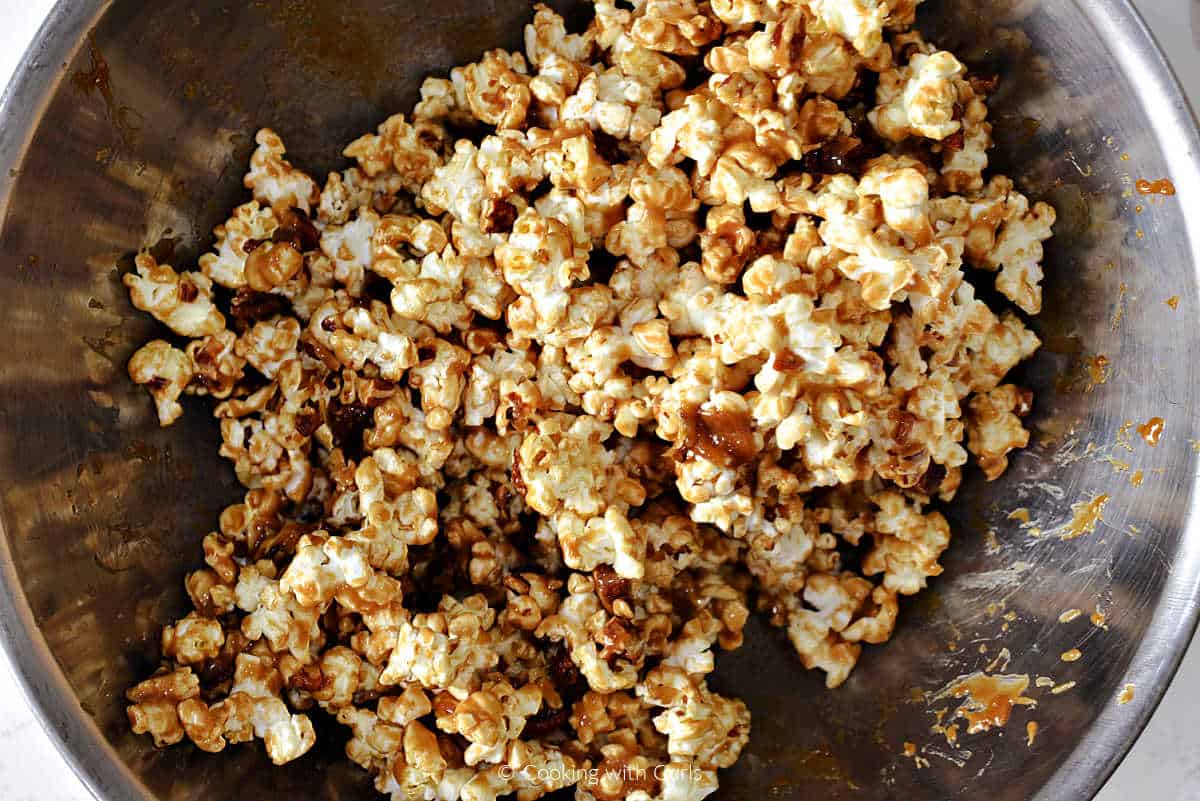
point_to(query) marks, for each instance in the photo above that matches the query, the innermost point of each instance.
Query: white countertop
(1164, 764)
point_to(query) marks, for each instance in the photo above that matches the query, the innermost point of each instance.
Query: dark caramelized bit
(157, 383)
(187, 291)
(545, 721)
(842, 154)
(567, 679)
(250, 306)
(610, 587)
(348, 421)
(983, 85)
(931, 482)
(518, 481)
(955, 141)
(499, 218)
(307, 422)
(297, 229)
(722, 436)
(308, 678)
(617, 640)
(1024, 402)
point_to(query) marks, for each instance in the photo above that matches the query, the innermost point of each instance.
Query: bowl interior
(103, 512)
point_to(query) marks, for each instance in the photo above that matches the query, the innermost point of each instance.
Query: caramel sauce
(1069, 615)
(723, 437)
(1021, 515)
(1031, 732)
(1137, 478)
(1087, 515)
(990, 699)
(1097, 367)
(1126, 694)
(1072, 655)
(1173, 301)
(1152, 430)
(1098, 619)
(1163, 186)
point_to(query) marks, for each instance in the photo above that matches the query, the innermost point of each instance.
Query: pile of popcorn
(604, 345)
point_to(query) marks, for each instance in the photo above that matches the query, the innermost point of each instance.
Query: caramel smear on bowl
(1069, 615)
(1087, 515)
(1071, 656)
(989, 699)
(1031, 732)
(1152, 430)
(1162, 186)
(1173, 301)
(1126, 695)
(1097, 367)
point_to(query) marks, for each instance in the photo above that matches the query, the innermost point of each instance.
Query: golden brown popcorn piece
(496, 88)
(919, 99)
(994, 426)
(274, 181)
(412, 151)
(153, 704)
(165, 371)
(183, 302)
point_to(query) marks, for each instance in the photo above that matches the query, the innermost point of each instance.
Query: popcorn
(525, 415)
(183, 302)
(918, 100)
(250, 223)
(994, 426)
(274, 181)
(165, 371)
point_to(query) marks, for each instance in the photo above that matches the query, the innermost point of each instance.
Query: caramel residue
(1097, 367)
(1126, 694)
(1021, 515)
(1119, 311)
(1152, 430)
(1086, 516)
(989, 699)
(1099, 619)
(952, 734)
(1044, 681)
(97, 77)
(1123, 435)
(1069, 615)
(722, 436)
(1071, 656)
(1137, 478)
(1172, 301)
(992, 543)
(1162, 186)
(1031, 731)
(1062, 688)
(1118, 465)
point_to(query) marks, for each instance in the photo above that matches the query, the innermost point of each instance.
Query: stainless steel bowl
(128, 126)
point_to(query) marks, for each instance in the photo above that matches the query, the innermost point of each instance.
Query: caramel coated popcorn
(531, 419)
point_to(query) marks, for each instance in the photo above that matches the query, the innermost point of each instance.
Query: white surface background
(1164, 764)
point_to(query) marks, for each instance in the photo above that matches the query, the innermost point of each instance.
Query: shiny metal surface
(102, 512)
